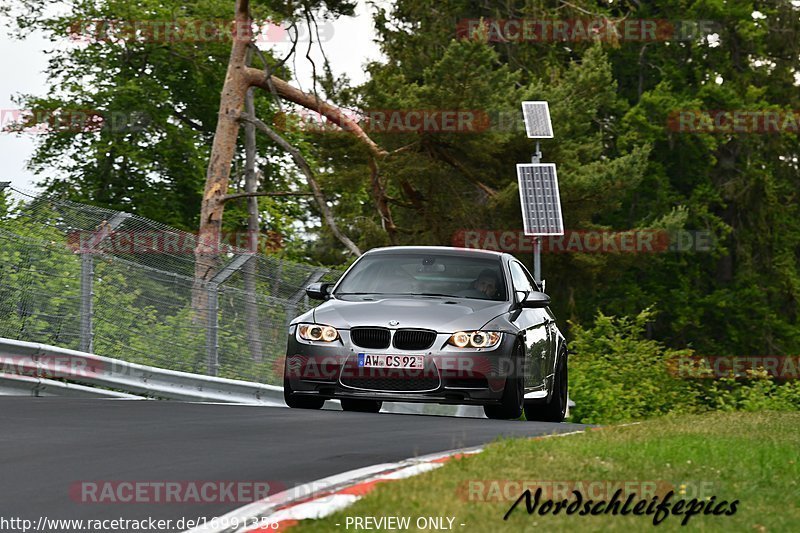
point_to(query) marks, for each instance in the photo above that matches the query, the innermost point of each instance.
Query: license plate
(366, 360)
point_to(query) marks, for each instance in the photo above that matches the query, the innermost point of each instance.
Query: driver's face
(487, 286)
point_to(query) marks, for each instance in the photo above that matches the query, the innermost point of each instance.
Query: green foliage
(140, 314)
(618, 375)
(159, 99)
(622, 166)
(728, 456)
(758, 392)
(39, 285)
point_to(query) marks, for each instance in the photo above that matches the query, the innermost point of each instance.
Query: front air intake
(414, 339)
(373, 338)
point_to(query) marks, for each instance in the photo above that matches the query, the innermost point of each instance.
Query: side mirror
(318, 291)
(535, 300)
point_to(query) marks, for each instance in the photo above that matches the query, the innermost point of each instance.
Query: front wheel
(513, 392)
(555, 409)
(361, 406)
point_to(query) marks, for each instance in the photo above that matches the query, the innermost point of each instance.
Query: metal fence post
(87, 250)
(212, 332)
(87, 297)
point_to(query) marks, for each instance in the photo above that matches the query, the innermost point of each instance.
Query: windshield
(426, 275)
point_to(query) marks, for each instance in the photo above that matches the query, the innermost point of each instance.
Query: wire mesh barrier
(122, 286)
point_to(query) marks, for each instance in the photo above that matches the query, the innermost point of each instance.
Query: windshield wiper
(454, 296)
(435, 294)
(360, 293)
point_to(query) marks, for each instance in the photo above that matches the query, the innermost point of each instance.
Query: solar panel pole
(537, 241)
(538, 125)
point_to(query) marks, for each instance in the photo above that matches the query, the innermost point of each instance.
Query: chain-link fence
(123, 286)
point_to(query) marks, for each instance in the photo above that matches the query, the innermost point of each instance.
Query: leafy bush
(617, 374)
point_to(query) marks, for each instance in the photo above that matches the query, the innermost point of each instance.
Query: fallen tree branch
(262, 193)
(382, 202)
(453, 162)
(305, 168)
(257, 78)
(267, 74)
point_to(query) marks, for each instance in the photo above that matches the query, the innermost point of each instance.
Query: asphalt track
(48, 445)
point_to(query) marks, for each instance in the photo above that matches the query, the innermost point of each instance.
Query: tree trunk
(219, 166)
(238, 79)
(249, 271)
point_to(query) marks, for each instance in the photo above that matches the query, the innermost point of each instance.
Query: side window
(532, 281)
(520, 278)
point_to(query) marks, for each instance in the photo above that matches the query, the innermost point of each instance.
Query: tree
(238, 80)
(151, 105)
(621, 166)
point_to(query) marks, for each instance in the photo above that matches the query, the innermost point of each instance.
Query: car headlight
(317, 332)
(474, 339)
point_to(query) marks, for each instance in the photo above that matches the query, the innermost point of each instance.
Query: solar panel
(539, 198)
(537, 120)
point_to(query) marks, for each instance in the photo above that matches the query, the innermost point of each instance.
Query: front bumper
(451, 375)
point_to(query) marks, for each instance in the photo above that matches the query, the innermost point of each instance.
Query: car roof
(448, 250)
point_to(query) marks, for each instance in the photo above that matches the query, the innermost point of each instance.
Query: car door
(549, 360)
(535, 325)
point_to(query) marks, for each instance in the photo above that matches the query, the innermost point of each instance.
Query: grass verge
(749, 457)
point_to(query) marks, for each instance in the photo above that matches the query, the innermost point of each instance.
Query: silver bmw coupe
(430, 324)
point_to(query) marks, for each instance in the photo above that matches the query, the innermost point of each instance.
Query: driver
(487, 283)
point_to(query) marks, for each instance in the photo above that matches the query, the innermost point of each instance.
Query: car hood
(445, 315)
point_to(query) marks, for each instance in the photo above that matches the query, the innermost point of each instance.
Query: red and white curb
(328, 502)
(323, 497)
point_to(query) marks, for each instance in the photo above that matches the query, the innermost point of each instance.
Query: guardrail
(44, 370)
(12, 385)
(49, 370)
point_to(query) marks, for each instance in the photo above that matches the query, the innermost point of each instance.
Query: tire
(555, 409)
(511, 405)
(300, 402)
(361, 406)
